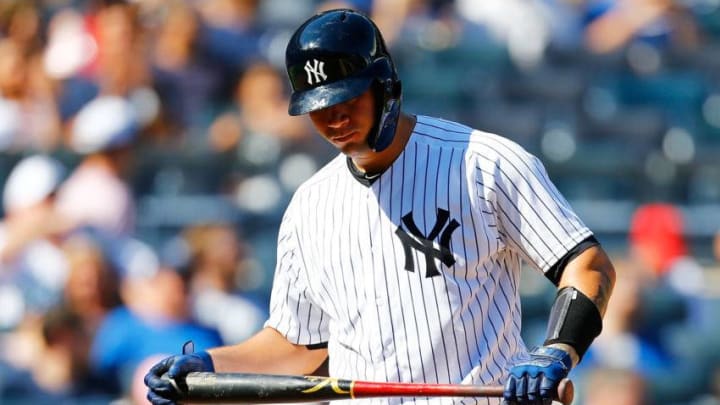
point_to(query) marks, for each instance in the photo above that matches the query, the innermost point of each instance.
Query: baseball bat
(203, 387)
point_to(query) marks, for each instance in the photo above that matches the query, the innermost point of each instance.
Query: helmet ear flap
(396, 89)
(388, 107)
(391, 88)
(387, 110)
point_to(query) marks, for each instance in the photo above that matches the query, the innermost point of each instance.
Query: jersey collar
(364, 178)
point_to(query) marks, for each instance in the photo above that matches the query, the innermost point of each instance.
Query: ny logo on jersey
(316, 71)
(424, 244)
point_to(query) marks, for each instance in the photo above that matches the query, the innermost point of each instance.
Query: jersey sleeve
(533, 217)
(293, 312)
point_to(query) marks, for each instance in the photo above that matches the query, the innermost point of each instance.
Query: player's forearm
(583, 294)
(267, 352)
(593, 274)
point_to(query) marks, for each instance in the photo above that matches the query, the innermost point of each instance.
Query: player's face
(347, 125)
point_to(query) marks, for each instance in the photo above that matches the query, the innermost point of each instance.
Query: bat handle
(187, 348)
(566, 391)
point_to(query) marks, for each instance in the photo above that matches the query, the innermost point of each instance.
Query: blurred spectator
(390, 16)
(613, 24)
(657, 243)
(674, 278)
(659, 246)
(20, 22)
(521, 26)
(232, 33)
(189, 83)
(92, 287)
(21, 351)
(608, 386)
(70, 47)
(100, 51)
(275, 152)
(33, 269)
(435, 25)
(219, 277)
(96, 194)
(58, 369)
(64, 369)
(259, 109)
(29, 118)
(155, 319)
(67, 58)
(120, 65)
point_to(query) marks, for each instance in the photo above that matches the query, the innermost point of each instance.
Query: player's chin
(346, 147)
(353, 150)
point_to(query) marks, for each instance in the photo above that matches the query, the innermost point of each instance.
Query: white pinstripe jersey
(415, 277)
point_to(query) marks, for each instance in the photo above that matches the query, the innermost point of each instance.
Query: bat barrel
(260, 388)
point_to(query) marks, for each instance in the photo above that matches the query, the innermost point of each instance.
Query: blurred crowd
(146, 156)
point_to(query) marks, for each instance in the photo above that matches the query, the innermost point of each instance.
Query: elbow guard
(574, 320)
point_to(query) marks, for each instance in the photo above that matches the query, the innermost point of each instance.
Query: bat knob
(173, 382)
(566, 391)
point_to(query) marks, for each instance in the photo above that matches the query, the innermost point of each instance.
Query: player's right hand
(536, 380)
(161, 390)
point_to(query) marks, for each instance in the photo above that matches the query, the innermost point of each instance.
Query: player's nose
(338, 117)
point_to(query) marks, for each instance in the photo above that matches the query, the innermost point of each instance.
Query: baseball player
(401, 258)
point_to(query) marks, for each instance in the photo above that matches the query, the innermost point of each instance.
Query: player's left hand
(536, 380)
(162, 378)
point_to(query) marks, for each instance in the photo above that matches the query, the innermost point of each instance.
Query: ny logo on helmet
(315, 70)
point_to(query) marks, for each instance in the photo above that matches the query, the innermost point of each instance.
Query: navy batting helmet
(336, 56)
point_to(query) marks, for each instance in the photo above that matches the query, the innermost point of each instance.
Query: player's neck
(377, 162)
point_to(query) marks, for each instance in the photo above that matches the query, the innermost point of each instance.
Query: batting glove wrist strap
(552, 355)
(574, 320)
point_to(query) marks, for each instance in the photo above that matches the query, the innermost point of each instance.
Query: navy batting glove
(536, 380)
(161, 391)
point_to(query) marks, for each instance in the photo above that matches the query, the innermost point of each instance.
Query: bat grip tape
(574, 320)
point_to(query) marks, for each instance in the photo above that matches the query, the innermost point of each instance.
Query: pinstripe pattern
(341, 279)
